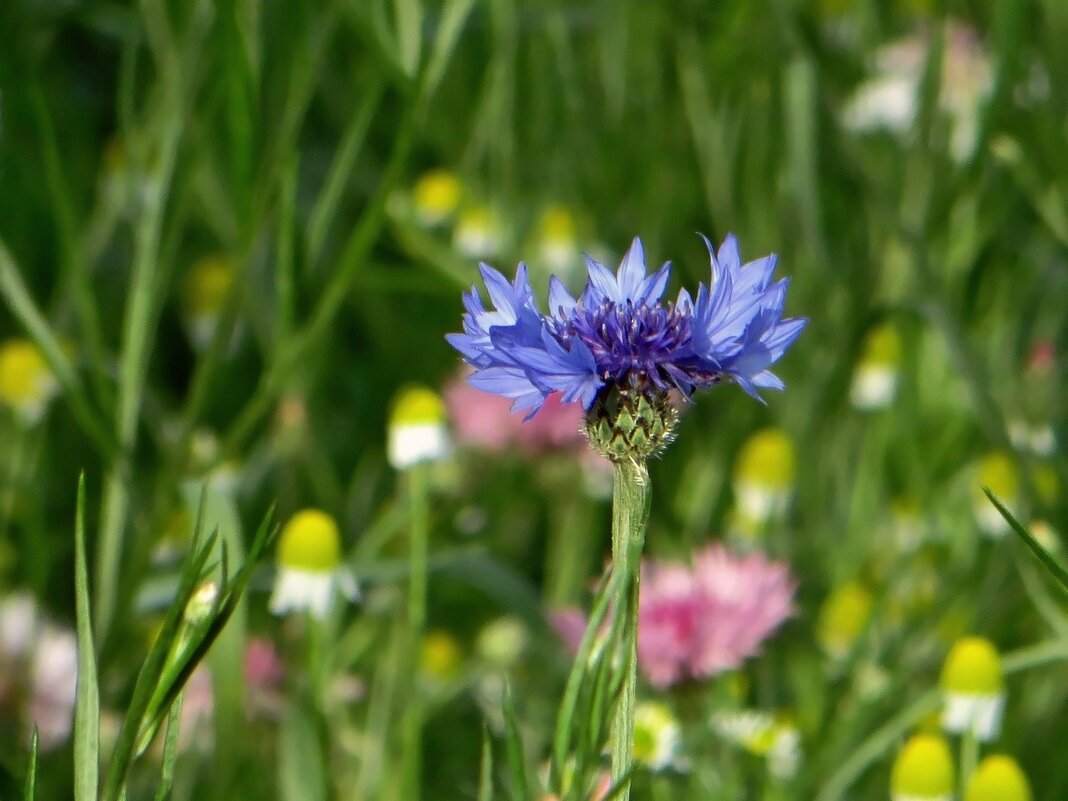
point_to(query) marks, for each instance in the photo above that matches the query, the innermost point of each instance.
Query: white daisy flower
(417, 431)
(973, 688)
(656, 736)
(763, 477)
(478, 233)
(876, 375)
(310, 572)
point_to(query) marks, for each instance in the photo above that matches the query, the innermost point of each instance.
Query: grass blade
(485, 778)
(517, 769)
(170, 750)
(31, 772)
(1043, 556)
(87, 703)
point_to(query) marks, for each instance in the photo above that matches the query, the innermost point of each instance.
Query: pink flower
(569, 624)
(53, 685)
(700, 620)
(263, 667)
(481, 419)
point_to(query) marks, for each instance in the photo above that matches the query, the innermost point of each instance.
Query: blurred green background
(237, 228)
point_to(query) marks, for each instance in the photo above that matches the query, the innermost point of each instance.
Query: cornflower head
(618, 349)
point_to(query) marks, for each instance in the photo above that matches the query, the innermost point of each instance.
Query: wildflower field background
(233, 237)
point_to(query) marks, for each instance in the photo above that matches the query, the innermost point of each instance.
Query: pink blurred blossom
(53, 685)
(1043, 357)
(698, 620)
(481, 419)
(264, 672)
(263, 666)
(569, 624)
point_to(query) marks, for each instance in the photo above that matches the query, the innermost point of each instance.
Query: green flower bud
(630, 424)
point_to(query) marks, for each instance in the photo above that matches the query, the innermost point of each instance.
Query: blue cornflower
(620, 338)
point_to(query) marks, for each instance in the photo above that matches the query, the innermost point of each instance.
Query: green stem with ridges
(630, 513)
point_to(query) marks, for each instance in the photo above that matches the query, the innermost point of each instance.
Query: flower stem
(969, 757)
(630, 513)
(417, 590)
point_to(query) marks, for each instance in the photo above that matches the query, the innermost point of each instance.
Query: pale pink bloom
(744, 599)
(483, 420)
(53, 685)
(264, 672)
(569, 624)
(263, 666)
(1043, 357)
(18, 626)
(697, 620)
(198, 707)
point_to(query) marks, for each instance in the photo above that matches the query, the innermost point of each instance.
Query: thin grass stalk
(417, 591)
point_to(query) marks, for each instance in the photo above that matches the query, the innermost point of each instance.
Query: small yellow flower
(656, 735)
(309, 566)
(478, 233)
(26, 383)
(557, 241)
(764, 475)
(207, 286)
(973, 686)
(502, 641)
(876, 374)
(998, 472)
(440, 655)
(923, 770)
(998, 778)
(774, 737)
(843, 617)
(417, 431)
(436, 196)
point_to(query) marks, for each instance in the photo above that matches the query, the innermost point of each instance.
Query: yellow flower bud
(923, 770)
(436, 196)
(310, 541)
(440, 655)
(843, 617)
(998, 778)
(26, 383)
